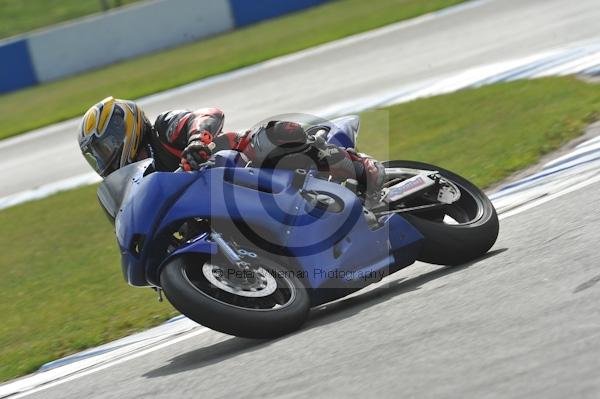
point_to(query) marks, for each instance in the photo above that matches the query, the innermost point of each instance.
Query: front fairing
(270, 213)
(136, 201)
(267, 210)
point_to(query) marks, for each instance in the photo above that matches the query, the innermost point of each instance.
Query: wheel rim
(257, 283)
(268, 289)
(468, 209)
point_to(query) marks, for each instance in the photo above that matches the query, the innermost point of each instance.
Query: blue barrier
(86, 44)
(16, 69)
(246, 12)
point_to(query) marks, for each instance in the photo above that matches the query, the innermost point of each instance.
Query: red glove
(198, 151)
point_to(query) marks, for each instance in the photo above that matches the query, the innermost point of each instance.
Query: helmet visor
(103, 153)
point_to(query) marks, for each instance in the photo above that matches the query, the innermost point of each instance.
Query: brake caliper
(448, 193)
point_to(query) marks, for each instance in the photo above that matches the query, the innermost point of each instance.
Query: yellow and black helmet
(111, 133)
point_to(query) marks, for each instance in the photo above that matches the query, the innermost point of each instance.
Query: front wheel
(265, 302)
(456, 233)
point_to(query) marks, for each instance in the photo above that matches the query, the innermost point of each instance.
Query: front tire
(190, 292)
(474, 232)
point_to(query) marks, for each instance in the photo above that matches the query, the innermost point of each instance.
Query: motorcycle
(248, 251)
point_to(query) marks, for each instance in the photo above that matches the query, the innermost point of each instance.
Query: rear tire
(194, 300)
(454, 244)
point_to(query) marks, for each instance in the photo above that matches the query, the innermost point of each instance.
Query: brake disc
(448, 192)
(251, 283)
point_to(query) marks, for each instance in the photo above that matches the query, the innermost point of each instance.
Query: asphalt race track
(523, 322)
(370, 64)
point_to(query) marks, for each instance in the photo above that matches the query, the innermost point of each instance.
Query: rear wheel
(264, 302)
(456, 233)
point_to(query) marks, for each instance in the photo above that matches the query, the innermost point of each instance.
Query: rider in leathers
(286, 144)
(188, 139)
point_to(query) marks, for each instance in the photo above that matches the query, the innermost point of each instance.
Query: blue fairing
(271, 212)
(343, 131)
(148, 201)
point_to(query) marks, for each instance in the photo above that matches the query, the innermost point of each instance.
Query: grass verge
(62, 289)
(19, 16)
(52, 102)
(487, 133)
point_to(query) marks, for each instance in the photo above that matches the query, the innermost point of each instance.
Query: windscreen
(113, 191)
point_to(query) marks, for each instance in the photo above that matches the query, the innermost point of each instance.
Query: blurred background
(486, 88)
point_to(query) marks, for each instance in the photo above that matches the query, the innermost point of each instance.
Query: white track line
(275, 62)
(4, 393)
(460, 81)
(49, 189)
(571, 59)
(5, 389)
(543, 200)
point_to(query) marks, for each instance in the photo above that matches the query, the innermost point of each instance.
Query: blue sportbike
(248, 251)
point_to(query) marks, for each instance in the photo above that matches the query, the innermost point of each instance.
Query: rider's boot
(370, 174)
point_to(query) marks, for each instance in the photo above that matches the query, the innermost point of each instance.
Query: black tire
(189, 298)
(455, 244)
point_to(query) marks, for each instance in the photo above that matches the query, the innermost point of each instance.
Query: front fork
(236, 257)
(242, 259)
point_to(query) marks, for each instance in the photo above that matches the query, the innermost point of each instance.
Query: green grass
(486, 133)
(61, 288)
(49, 103)
(20, 16)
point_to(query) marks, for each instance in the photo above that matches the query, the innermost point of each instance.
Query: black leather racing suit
(279, 143)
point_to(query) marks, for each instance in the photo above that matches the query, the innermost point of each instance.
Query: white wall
(125, 33)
